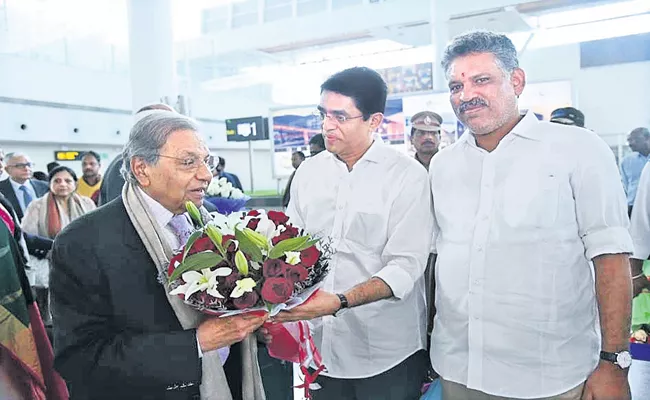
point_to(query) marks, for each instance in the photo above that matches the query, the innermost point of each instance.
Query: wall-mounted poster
(408, 78)
(294, 127)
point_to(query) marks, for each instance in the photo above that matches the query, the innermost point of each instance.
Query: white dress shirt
(514, 231)
(378, 217)
(20, 194)
(640, 225)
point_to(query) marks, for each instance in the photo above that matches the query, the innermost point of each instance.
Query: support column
(151, 53)
(439, 22)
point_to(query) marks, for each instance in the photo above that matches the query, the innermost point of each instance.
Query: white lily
(227, 223)
(243, 286)
(293, 257)
(200, 282)
(266, 227)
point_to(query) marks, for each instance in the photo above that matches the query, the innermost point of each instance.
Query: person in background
(374, 201)
(521, 207)
(46, 217)
(111, 186)
(21, 189)
(633, 163)
(640, 231)
(3, 173)
(221, 173)
(40, 176)
(425, 136)
(316, 144)
(118, 333)
(296, 159)
(91, 179)
(51, 166)
(568, 116)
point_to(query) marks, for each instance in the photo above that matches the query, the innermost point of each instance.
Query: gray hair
(641, 131)
(149, 135)
(482, 42)
(15, 154)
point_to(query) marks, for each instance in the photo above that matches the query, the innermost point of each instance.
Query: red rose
(277, 290)
(273, 268)
(309, 256)
(177, 258)
(203, 244)
(252, 224)
(247, 300)
(253, 213)
(296, 273)
(288, 233)
(278, 218)
(229, 248)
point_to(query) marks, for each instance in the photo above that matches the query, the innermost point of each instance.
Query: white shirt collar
(160, 213)
(17, 185)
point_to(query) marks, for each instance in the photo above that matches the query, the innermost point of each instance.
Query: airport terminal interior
(249, 72)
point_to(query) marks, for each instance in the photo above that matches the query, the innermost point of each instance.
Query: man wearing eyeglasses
(371, 201)
(425, 136)
(20, 189)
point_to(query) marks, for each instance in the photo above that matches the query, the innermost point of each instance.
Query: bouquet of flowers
(250, 261)
(226, 198)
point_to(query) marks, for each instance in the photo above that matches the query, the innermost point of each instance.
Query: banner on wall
(293, 128)
(408, 78)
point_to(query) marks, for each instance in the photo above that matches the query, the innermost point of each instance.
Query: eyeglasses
(338, 118)
(21, 165)
(192, 163)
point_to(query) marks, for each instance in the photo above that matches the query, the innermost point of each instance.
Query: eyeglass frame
(322, 115)
(210, 164)
(20, 165)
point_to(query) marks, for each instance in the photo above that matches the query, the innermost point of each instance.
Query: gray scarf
(214, 385)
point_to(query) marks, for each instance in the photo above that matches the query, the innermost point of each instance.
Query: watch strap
(607, 356)
(344, 301)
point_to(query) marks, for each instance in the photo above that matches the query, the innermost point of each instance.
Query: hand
(216, 333)
(320, 304)
(639, 284)
(607, 382)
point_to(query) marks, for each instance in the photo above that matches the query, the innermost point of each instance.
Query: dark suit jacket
(115, 334)
(41, 188)
(36, 245)
(111, 187)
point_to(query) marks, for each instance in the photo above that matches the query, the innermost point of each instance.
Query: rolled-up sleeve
(640, 225)
(410, 230)
(601, 205)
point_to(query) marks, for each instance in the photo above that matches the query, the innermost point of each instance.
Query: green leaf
(194, 212)
(196, 262)
(257, 238)
(190, 242)
(241, 262)
(248, 246)
(292, 244)
(308, 244)
(215, 235)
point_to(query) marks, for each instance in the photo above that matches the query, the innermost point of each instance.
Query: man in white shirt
(640, 231)
(520, 208)
(373, 202)
(633, 163)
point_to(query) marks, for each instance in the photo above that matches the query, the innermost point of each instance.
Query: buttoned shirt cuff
(614, 240)
(399, 281)
(198, 346)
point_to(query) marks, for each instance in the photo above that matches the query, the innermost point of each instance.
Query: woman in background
(46, 217)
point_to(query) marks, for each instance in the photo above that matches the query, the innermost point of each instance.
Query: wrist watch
(623, 358)
(344, 303)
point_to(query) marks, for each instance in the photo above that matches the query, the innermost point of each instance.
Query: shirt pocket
(531, 199)
(367, 228)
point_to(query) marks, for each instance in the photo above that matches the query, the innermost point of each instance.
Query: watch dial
(623, 359)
